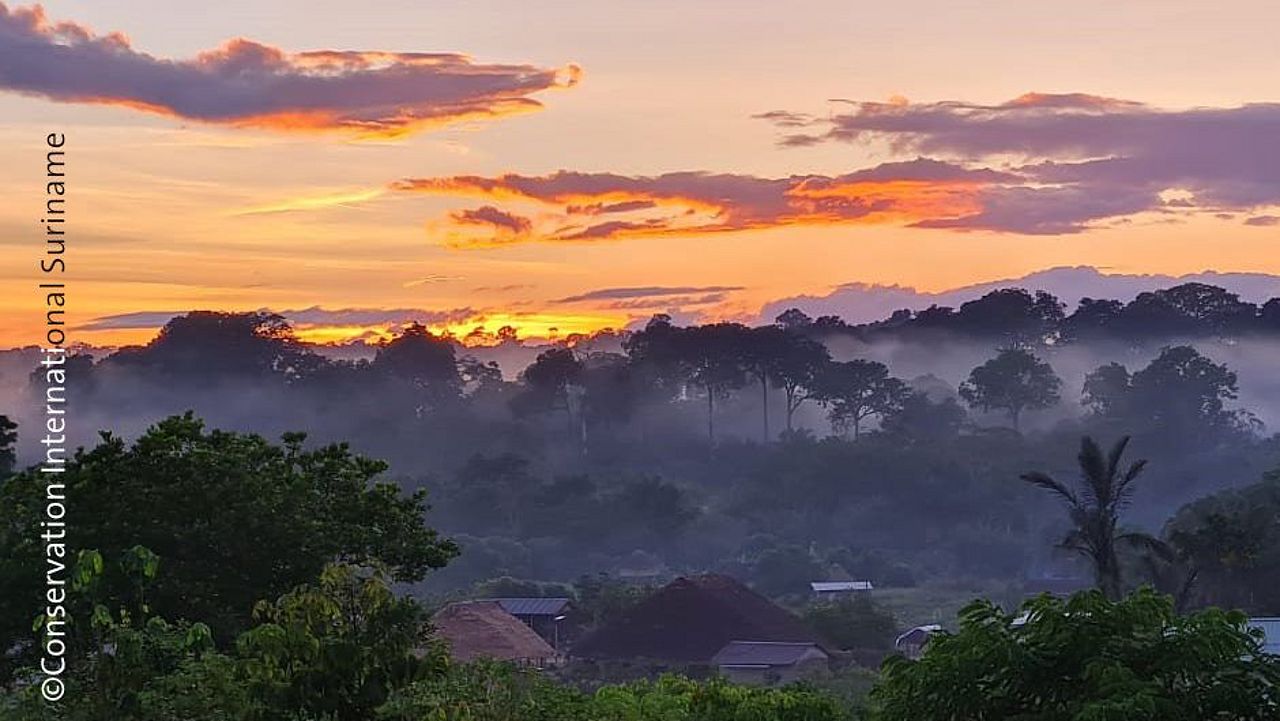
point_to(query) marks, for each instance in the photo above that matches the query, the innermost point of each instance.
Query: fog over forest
(645, 453)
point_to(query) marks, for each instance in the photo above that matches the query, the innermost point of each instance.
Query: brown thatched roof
(689, 620)
(482, 629)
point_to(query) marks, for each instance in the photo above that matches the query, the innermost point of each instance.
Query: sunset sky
(580, 165)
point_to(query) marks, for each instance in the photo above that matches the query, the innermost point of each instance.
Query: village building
(484, 630)
(836, 589)
(689, 621)
(1270, 628)
(544, 615)
(912, 642)
(769, 662)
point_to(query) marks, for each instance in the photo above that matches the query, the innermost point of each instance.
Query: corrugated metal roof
(1270, 627)
(533, 606)
(838, 586)
(921, 631)
(764, 653)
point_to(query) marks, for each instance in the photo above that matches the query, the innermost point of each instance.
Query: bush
(1086, 659)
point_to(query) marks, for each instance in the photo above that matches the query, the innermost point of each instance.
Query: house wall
(807, 668)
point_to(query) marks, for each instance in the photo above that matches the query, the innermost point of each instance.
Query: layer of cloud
(1079, 158)
(312, 316)
(566, 206)
(646, 292)
(244, 83)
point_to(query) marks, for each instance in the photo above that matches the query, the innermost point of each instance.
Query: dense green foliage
(497, 693)
(1228, 548)
(1086, 659)
(233, 517)
(8, 437)
(853, 623)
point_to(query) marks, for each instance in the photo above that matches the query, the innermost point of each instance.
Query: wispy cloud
(245, 83)
(646, 292)
(430, 280)
(320, 201)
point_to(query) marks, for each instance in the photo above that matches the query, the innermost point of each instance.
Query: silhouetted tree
(1014, 381)
(1183, 392)
(208, 346)
(784, 360)
(793, 319)
(1269, 316)
(1013, 314)
(762, 350)
(1190, 309)
(552, 380)
(657, 353)
(479, 377)
(425, 361)
(797, 371)
(610, 390)
(1094, 504)
(1092, 319)
(1106, 391)
(919, 419)
(859, 389)
(713, 356)
(1212, 310)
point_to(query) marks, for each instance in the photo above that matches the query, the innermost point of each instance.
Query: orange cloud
(248, 84)
(595, 206)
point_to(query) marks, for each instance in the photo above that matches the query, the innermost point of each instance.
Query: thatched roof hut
(482, 629)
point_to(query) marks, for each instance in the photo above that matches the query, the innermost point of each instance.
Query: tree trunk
(764, 403)
(711, 416)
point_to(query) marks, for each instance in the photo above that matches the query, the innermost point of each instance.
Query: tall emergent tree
(1094, 505)
(797, 371)
(426, 362)
(713, 356)
(784, 359)
(1014, 381)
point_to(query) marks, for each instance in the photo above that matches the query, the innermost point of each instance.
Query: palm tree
(1094, 505)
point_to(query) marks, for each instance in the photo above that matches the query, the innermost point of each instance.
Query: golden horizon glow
(263, 207)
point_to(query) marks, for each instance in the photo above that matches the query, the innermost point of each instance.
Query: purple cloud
(244, 83)
(500, 220)
(1080, 158)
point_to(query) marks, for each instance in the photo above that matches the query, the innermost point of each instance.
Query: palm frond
(1047, 482)
(1147, 542)
(1124, 489)
(1093, 470)
(1114, 456)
